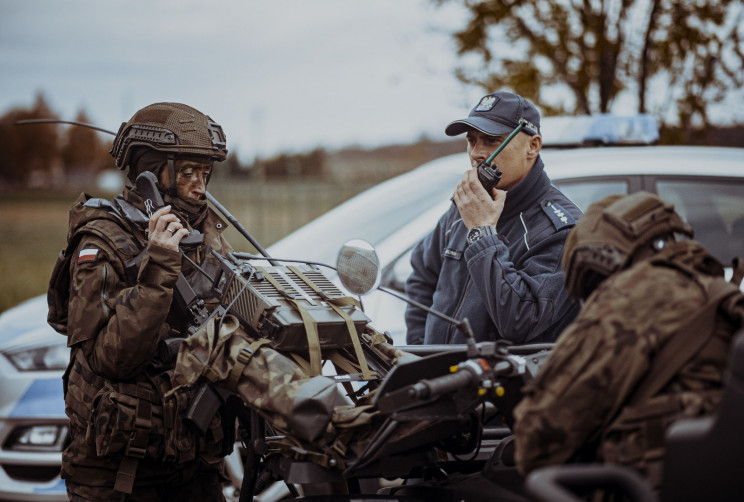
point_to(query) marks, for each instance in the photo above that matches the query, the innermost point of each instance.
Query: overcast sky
(278, 75)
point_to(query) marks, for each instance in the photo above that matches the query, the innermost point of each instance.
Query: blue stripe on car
(58, 487)
(43, 399)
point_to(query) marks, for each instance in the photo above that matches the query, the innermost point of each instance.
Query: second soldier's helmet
(613, 231)
(173, 128)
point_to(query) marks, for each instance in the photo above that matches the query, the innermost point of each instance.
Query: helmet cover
(609, 235)
(174, 128)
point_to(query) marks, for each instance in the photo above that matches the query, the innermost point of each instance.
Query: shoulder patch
(558, 216)
(87, 255)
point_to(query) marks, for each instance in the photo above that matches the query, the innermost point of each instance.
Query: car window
(715, 209)
(583, 193)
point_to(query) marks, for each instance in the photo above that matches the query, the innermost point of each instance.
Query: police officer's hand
(474, 202)
(166, 230)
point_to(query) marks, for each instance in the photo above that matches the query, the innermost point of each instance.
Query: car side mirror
(358, 267)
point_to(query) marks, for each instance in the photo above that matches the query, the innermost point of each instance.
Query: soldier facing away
(115, 303)
(649, 345)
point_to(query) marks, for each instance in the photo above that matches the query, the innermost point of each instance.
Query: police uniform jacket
(509, 286)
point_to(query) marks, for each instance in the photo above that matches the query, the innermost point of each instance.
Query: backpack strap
(684, 344)
(137, 444)
(311, 326)
(336, 304)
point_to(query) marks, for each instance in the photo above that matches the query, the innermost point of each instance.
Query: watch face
(474, 234)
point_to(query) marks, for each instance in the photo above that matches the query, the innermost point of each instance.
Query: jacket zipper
(451, 330)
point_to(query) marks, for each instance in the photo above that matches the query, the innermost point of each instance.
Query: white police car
(33, 425)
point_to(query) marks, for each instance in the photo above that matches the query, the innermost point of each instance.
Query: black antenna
(57, 121)
(463, 326)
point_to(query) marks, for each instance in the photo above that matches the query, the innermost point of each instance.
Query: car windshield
(372, 215)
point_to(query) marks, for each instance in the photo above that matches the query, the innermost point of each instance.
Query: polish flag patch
(87, 255)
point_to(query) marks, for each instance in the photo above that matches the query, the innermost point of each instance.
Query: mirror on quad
(358, 267)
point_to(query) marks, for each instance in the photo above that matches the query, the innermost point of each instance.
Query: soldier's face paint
(191, 179)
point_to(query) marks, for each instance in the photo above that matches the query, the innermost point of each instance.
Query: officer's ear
(534, 146)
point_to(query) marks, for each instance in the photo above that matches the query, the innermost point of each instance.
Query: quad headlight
(40, 437)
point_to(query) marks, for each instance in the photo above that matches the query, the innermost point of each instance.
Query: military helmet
(611, 233)
(175, 128)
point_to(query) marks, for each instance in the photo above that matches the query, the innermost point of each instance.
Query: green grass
(33, 229)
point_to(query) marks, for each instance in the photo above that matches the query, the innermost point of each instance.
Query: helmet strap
(173, 188)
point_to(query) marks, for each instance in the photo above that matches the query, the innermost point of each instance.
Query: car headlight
(46, 358)
(37, 438)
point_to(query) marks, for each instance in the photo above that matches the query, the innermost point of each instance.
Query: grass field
(33, 225)
(33, 229)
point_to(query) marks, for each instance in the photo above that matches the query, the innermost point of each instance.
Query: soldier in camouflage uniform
(617, 378)
(117, 304)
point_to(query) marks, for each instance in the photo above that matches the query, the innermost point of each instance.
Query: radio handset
(147, 187)
(489, 174)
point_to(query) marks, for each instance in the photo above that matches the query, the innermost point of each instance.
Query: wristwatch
(476, 233)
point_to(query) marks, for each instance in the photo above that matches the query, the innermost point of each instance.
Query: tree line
(52, 155)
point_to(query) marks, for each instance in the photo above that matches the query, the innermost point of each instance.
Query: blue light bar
(603, 129)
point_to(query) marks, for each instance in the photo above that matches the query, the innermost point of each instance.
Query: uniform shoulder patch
(87, 255)
(558, 216)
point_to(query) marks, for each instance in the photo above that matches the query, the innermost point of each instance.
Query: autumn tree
(83, 150)
(597, 49)
(28, 150)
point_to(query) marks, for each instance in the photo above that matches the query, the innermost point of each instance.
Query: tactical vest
(636, 436)
(125, 421)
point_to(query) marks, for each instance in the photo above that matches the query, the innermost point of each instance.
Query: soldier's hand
(474, 202)
(166, 230)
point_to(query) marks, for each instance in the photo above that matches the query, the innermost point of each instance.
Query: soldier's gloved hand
(165, 229)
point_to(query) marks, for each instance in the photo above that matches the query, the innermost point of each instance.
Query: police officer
(127, 441)
(494, 258)
(649, 345)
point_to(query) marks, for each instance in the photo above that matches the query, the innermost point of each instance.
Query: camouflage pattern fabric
(114, 378)
(310, 410)
(603, 355)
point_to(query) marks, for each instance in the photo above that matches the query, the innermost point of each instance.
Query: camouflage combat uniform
(115, 382)
(607, 351)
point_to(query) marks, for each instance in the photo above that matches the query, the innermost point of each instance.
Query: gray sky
(278, 75)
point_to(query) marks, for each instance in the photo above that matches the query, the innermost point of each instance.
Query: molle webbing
(137, 446)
